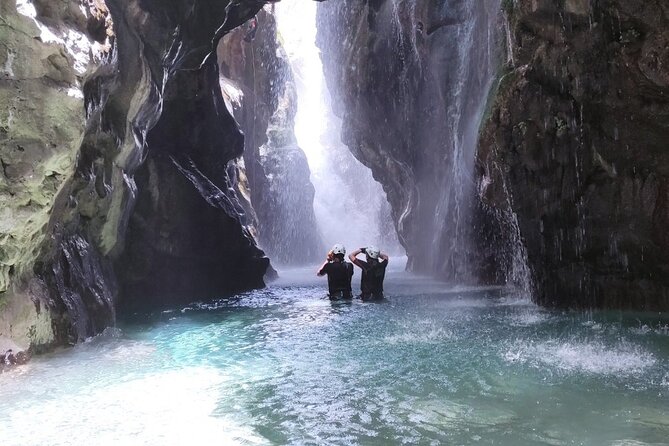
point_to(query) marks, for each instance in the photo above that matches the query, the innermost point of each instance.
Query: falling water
(425, 71)
(473, 69)
(351, 207)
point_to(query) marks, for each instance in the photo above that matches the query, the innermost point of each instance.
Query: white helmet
(338, 249)
(373, 252)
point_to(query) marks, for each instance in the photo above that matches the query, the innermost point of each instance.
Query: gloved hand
(363, 250)
(330, 256)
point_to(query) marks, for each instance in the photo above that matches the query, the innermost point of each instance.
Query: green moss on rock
(41, 127)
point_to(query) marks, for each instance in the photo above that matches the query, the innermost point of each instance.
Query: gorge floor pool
(430, 365)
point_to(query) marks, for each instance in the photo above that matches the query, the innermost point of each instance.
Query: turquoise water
(431, 365)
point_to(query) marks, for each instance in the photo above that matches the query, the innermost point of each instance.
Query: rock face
(570, 174)
(411, 80)
(578, 140)
(258, 81)
(74, 169)
(186, 239)
(42, 120)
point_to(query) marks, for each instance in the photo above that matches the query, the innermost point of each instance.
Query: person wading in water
(373, 272)
(339, 273)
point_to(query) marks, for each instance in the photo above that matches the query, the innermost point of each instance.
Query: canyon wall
(566, 193)
(410, 81)
(577, 144)
(521, 141)
(107, 104)
(258, 83)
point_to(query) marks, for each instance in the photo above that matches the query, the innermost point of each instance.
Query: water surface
(430, 365)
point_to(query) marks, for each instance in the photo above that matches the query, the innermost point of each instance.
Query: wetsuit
(339, 279)
(371, 283)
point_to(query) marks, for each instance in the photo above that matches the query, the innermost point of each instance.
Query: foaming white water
(350, 206)
(528, 317)
(588, 357)
(659, 329)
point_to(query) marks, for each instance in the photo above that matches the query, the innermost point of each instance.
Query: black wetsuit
(371, 283)
(339, 279)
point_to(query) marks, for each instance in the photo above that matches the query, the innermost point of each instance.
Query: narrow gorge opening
(306, 189)
(350, 206)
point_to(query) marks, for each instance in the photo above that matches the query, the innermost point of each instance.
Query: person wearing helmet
(339, 273)
(373, 272)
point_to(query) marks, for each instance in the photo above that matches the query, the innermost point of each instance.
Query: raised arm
(321, 269)
(355, 253)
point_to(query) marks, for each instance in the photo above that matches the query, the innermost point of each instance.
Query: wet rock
(11, 354)
(571, 170)
(410, 81)
(42, 120)
(259, 84)
(74, 132)
(587, 174)
(186, 239)
(83, 288)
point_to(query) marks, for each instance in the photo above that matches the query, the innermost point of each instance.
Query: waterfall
(350, 206)
(472, 71)
(448, 76)
(415, 76)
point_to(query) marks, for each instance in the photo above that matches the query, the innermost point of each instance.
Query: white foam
(585, 357)
(660, 329)
(595, 326)
(420, 332)
(527, 318)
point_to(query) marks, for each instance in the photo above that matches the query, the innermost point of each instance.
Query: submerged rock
(11, 354)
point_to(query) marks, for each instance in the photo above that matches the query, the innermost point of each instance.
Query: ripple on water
(586, 357)
(283, 366)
